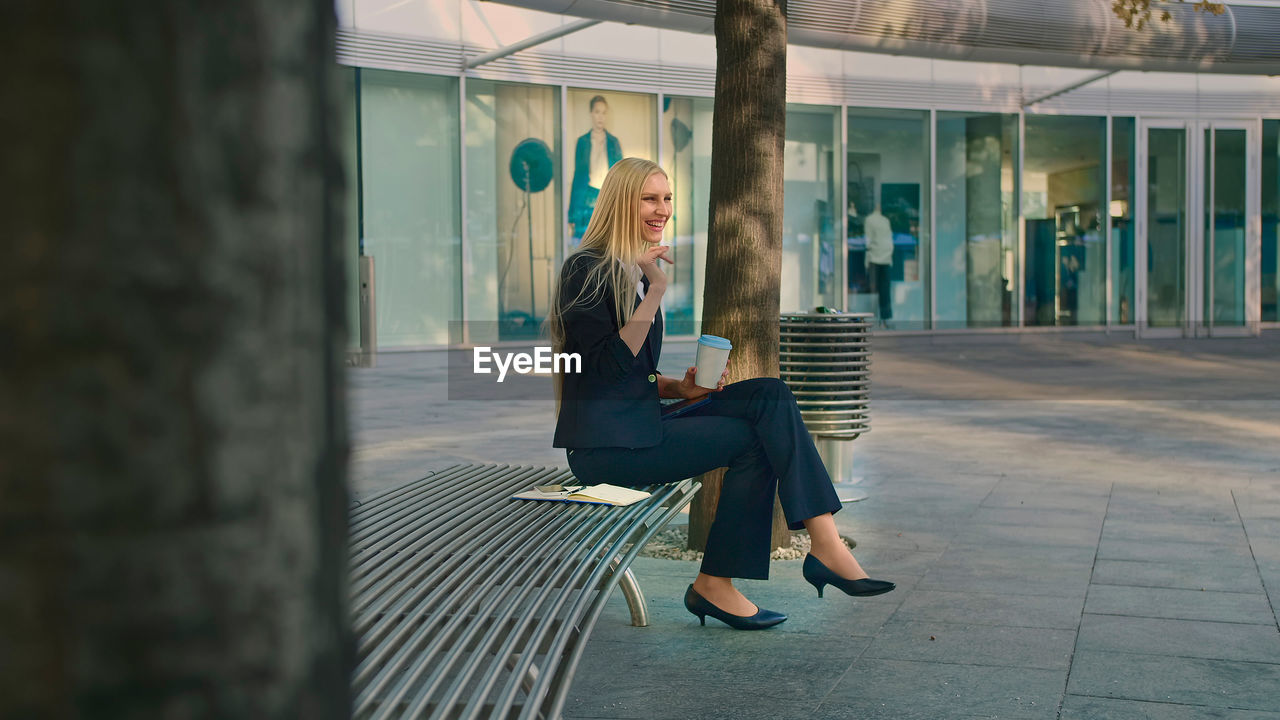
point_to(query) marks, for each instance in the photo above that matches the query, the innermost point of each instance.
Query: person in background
(879, 260)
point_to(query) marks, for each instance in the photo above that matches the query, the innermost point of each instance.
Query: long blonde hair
(613, 242)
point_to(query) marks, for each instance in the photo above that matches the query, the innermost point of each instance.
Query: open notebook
(594, 494)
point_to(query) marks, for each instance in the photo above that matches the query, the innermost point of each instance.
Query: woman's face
(655, 207)
(599, 113)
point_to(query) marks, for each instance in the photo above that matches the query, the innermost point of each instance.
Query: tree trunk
(744, 245)
(172, 494)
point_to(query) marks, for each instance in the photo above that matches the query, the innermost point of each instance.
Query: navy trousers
(880, 284)
(754, 429)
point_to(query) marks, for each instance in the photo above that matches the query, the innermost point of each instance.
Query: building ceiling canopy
(1063, 33)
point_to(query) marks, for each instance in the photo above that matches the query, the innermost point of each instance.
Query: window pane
(1270, 218)
(888, 171)
(1122, 184)
(1064, 171)
(351, 244)
(977, 249)
(811, 259)
(409, 140)
(1225, 241)
(1166, 226)
(686, 156)
(513, 207)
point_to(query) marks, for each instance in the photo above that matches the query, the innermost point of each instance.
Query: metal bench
(469, 604)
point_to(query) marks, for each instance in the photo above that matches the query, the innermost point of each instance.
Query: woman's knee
(769, 386)
(752, 454)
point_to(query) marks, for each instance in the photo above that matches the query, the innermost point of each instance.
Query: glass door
(1196, 197)
(1164, 232)
(1226, 238)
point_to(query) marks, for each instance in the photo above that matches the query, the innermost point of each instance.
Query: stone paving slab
(1270, 574)
(1192, 681)
(1259, 506)
(1266, 552)
(1237, 555)
(1201, 505)
(1044, 494)
(1090, 519)
(961, 643)
(996, 533)
(1182, 638)
(1038, 570)
(1001, 609)
(1186, 576)
(1190, 515)
(1227, 530)
(1078, 707)
(907, 690)
(1249, 608)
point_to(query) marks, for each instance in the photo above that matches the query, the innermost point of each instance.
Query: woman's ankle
(835, 551)
(712, 583)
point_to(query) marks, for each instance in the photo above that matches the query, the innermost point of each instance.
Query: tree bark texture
(744, 246)
(172, 485)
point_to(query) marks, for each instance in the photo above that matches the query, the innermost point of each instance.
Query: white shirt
(879, 239)
(599, 166)
(640, 292)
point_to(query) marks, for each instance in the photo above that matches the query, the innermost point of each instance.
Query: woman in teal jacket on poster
(597, 151)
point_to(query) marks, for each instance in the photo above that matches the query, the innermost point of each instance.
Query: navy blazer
(613, 402)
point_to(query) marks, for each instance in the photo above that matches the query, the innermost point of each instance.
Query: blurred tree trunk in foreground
(744, 239)
(172, 497)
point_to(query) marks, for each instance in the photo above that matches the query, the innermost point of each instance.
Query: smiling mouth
(656, 225)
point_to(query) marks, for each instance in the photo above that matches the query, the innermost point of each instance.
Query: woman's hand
(648, 263)
(690, 390)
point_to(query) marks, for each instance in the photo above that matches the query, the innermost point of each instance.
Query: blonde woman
(606, 308)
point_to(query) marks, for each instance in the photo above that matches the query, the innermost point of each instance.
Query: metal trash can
(825, 360)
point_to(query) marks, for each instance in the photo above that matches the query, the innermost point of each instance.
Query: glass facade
(1019, 235)
(812, 262)
(977, 236)
(887, 175)
(1270, 219)
(513, 207)
(411, 199)
(686, 156)
(1063, 202)
(1122, 225)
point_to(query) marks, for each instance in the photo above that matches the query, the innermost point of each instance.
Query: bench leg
(635, 599)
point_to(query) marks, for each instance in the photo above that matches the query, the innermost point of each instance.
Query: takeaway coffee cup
(713, 355)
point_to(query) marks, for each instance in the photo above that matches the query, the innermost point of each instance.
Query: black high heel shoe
(820, 575)
(701, 607)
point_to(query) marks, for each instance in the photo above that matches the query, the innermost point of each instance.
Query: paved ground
(1079, 528)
